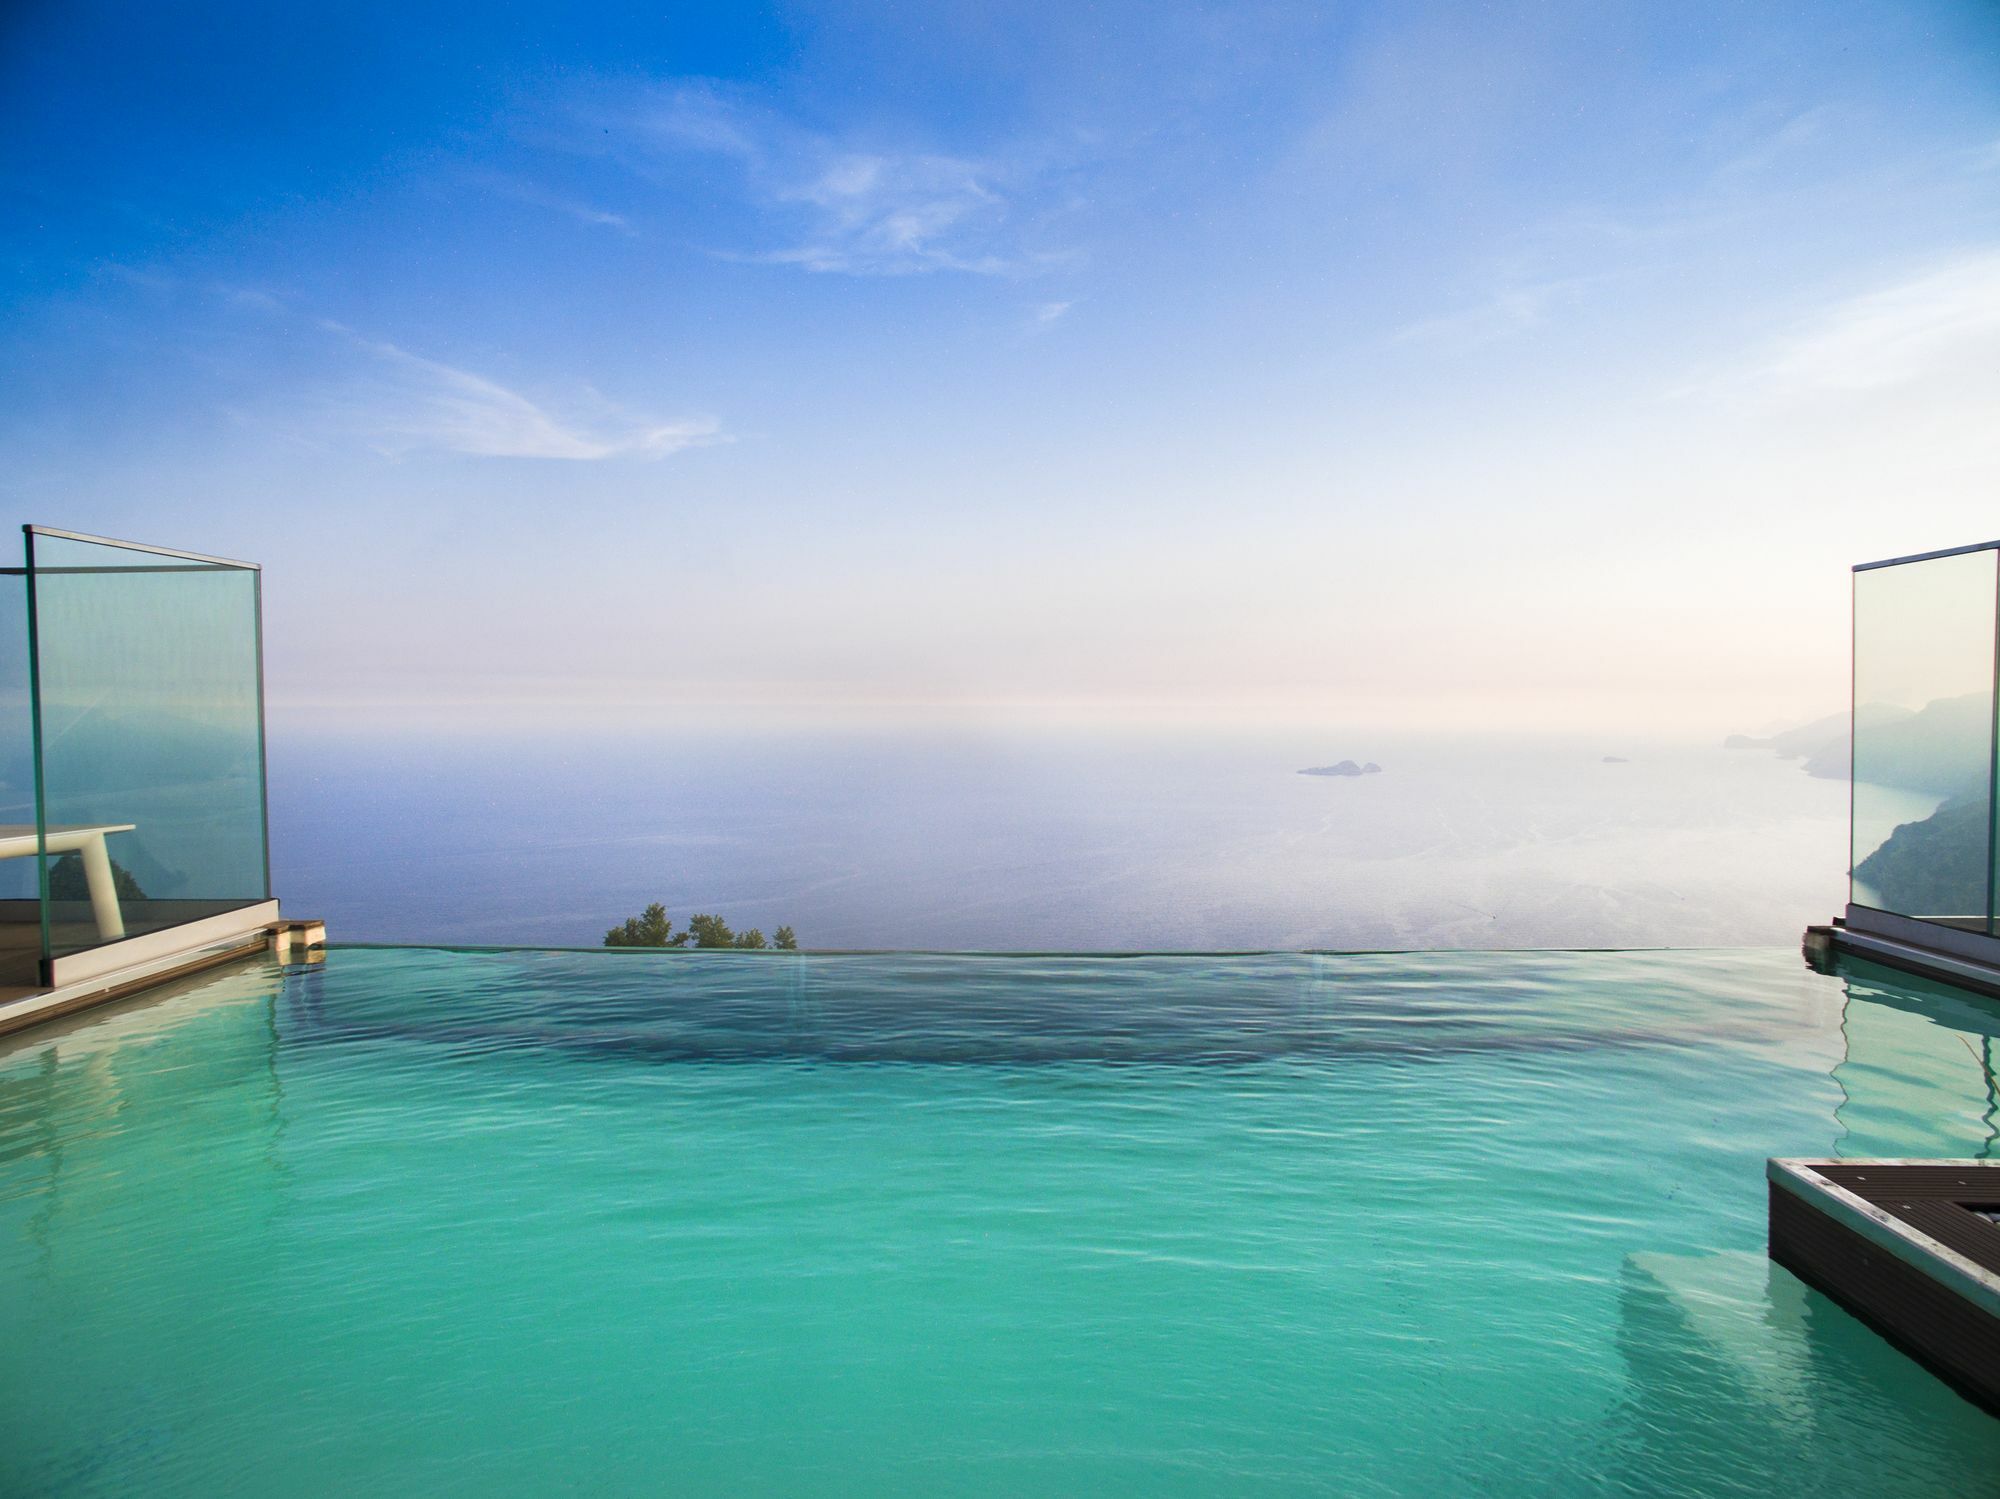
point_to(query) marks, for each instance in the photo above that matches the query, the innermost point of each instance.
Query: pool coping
(161, 957)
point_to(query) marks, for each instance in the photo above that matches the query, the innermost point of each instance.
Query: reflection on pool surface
(438, 1222)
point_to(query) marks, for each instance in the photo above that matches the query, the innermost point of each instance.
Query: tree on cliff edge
(651, 928)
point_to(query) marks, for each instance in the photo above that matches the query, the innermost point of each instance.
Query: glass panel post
(1993, 778)
(20, 899)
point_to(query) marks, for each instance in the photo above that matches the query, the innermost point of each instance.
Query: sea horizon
(1045, 839)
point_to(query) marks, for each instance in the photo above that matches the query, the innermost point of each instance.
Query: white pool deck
(99, 975)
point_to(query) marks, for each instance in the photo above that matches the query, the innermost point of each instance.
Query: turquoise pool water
(426, 1222)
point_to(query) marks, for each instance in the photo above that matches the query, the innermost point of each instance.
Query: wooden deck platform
(1908, 1247)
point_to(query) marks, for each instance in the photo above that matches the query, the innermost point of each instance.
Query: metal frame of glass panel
(146, 713)
(1924, 748)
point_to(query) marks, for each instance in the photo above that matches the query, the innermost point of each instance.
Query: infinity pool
(430, 1222)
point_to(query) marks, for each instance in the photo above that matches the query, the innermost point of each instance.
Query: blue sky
(1447, 365)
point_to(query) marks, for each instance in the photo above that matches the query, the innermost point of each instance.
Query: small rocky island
(1344, 768)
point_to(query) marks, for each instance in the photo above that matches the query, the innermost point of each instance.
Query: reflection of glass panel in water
(150, 716)
(1918, 1077)
(1923, 693)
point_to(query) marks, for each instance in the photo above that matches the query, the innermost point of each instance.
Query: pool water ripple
(525, 1223)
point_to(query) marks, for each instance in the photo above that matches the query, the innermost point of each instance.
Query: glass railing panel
(148, 689)
(20, 897)
(1923, 738)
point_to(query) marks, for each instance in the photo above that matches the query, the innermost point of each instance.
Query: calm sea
(1048, 840)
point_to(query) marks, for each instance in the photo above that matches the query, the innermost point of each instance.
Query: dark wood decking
(1901, 1280)
(1934, 1200)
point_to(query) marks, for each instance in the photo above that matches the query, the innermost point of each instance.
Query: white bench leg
(103, 889)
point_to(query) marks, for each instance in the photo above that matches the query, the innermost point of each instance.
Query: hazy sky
(1430, 364)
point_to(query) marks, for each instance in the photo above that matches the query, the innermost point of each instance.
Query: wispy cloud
(1510, 311)
(1940, 321)
(537, 196)
(894, 214)
(847, 206)
(1048, 314)
(407, 402)
(254, 298)
(1768, 145)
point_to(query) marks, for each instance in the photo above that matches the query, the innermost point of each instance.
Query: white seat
(23, 841)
